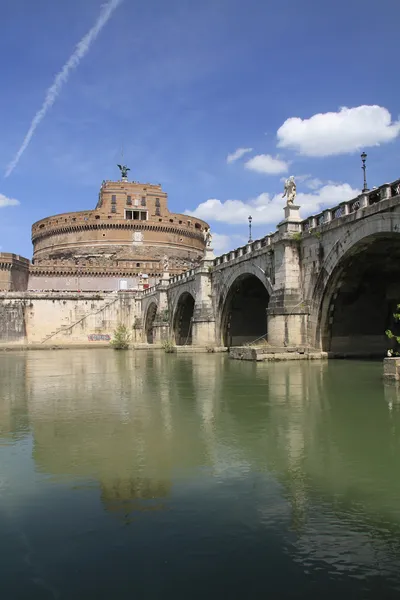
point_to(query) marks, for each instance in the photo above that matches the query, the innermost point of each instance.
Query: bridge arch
(359, 288)
(183, 319)
(149, 322)
(243, 308)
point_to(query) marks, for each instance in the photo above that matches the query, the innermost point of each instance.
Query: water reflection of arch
(149, 322)
(182, 319)
(243, 307)
(358, 288)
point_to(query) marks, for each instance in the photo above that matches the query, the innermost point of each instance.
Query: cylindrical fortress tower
(127, 236)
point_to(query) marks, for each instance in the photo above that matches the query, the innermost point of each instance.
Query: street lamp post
(364, 168)
(250, 220)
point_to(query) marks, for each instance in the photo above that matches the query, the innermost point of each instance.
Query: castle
(127, 242)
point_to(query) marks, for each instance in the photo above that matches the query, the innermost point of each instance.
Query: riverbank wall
(66, 319)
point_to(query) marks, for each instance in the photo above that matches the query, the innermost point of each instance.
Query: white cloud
(267, 209)
(222, 243)
(265, 163)
(237, 154)
(348, 130)
(314, 183)
(4, 201)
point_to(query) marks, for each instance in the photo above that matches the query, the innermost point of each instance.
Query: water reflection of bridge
(139, 423)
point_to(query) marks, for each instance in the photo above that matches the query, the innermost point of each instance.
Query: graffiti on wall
(99, 337)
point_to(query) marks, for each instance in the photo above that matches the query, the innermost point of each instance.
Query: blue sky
(182, 86)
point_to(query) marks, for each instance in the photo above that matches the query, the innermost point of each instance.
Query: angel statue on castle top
(124, 170)
(290, 190)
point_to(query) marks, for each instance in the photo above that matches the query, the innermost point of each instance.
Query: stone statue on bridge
(165, 264)
(290, 190)
(207, 237)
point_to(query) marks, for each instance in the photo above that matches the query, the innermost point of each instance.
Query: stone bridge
(329, 282)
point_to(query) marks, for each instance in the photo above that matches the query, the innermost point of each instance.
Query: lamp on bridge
(364, 168)
(250, 220)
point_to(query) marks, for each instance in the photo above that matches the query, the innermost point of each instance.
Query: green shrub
(168, 345)
(164, 316)
(392, 336)
(121, 338)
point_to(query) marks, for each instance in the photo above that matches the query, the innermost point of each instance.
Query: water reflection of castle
(114, 417)
(139, 422)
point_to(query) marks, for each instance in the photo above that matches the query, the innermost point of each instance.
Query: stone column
(287, 313)
(386, 191)
(161, 331)
(203, 324)
(391, 368)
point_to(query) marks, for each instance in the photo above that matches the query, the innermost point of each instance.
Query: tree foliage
(392, 336)
(121, 338)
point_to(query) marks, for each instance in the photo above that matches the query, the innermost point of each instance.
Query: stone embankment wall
(62, 318)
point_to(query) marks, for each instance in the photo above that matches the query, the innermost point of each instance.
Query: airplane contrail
(62, 77)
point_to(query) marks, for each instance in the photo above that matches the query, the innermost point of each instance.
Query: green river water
(141, 475)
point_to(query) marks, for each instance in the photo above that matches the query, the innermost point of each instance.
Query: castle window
(138, 264)
(129, 200)
(136, 215)
(158, 213)
(143, 200)
(113, 209)
(158, 202)
(113, 199)
(197, 226)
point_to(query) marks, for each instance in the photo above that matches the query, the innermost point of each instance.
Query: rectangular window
(136, 215)
(113, 199)
(158, 202)
(158, 214)
(129, 200)
(143, 200)
(113, 209)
